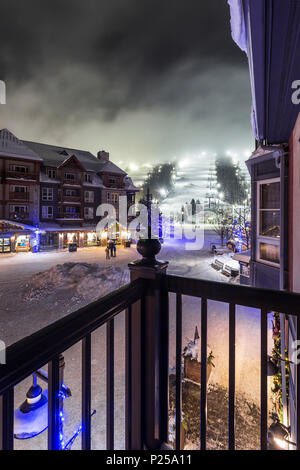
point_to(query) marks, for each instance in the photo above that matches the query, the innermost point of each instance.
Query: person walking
(114, 250)
(111, 247)
(107, 252)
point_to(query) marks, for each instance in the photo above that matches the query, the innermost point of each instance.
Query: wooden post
(149, 332)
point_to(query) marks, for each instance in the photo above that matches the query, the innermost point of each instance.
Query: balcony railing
(71, 198)
(19, 216)
(145, 301)
(75, 180)
(18, 196)
(20, 174)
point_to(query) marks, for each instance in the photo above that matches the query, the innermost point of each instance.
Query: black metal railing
(145, 301)
(267, 301)
(45, 346)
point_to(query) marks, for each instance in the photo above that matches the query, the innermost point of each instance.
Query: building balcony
(71, 198)
(145, 302)
(68, 216)
(16, 196)
(21, 175)
(73, 181)
(19, 216)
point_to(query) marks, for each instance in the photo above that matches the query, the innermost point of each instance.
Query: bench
(218, 265)
(227, 270)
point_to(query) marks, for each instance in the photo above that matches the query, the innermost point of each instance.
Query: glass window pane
(270, 224)
(269, 253)
(270, 196)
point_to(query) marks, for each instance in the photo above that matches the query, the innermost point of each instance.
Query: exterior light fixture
(31, 418)
(278, 437)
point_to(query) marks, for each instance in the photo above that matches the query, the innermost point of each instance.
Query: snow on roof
(55, 156)
(44, 178)
(193, 350)
(129, 184)
(244, 258)
(110, 167)
(11, 146)
(238, 27)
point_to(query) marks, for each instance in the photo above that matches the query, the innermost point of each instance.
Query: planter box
(192, 370)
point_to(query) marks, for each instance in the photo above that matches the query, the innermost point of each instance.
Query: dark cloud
(140, 76)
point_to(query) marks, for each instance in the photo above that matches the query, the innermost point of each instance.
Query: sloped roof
(110, 167)
(129, 184)
(11, 146)
(53, 155)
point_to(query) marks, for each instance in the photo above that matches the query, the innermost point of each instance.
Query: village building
(49, 194)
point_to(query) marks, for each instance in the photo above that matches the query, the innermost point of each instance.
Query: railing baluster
(263, 379)
(53, 405)
(203, 396)
(7, 420)
(110, 385)
(128, 377)
(231, 417)
(178, 369)
(86, 393)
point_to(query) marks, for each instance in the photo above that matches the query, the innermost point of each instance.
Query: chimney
(102, 155)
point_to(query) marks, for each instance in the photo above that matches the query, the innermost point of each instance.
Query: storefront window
(23, 243)
(5, 246)
(92, 239)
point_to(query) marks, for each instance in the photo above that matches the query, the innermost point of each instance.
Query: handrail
(32, 352)
(270, 300)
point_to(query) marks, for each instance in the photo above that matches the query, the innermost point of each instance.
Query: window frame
(262, 238)
(47, 216)
(48, 190)
(88, 210)
(51, 173)
(89, 199)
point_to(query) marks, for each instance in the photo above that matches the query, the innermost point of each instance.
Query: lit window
(88, 196)
(88, 213)
(47, 212)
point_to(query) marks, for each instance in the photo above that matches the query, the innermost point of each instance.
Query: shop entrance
(23, 243)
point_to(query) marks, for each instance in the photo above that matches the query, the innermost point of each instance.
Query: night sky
(147, 80)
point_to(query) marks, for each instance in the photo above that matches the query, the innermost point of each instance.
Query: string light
(62, 395)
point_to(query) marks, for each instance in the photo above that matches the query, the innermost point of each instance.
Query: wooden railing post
(149, 332)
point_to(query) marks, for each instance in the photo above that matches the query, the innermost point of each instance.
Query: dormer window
(88, 178)
(51, 173)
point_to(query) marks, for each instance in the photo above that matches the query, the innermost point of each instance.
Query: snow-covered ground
(27, 304)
